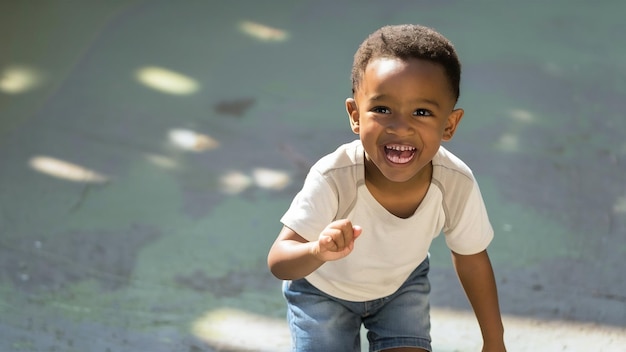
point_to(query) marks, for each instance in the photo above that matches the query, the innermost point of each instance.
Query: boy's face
(402, 111)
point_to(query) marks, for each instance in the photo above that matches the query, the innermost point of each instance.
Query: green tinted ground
(130, 264)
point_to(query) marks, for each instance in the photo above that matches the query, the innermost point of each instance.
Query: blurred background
(149, 148)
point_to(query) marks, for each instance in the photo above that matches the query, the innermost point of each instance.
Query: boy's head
(408, 42)
(406, 85)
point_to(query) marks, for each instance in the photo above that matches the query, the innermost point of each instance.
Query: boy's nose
(399, 126)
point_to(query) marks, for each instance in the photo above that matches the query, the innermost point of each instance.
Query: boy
(399, 188)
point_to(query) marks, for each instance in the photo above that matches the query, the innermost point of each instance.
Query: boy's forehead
(383, 65)
(381, 68)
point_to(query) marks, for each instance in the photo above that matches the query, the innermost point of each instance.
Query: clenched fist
(336, 240)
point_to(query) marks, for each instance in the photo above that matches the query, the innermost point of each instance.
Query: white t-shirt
(389, 248)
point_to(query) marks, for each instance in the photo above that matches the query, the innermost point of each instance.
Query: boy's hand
(336, 240)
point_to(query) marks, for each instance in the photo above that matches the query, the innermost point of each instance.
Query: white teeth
(399, 147)
(398, 158)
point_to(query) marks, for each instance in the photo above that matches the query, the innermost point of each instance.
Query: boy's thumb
(356, 230)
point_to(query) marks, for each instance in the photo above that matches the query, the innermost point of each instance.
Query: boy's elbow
(280, 274)
(281, 270)
(272, 267)
(275, 268)
(290, 261)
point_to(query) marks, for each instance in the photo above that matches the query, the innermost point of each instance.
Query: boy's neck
(399, 198)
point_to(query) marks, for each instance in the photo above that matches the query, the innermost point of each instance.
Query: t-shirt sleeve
(313, 208)
(473, 232)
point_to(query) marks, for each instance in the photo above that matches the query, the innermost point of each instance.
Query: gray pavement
(148, 149)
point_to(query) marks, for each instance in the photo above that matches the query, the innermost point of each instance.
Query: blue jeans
(320, 322)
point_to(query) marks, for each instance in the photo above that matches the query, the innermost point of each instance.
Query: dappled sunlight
(522, 115)
(263, 32)
(452, 330)
(191, 141)
(16, 79)
(234, 329)
(235, 182)
(458, 331)
(508, 142)
(65, 170)
(167, 81)
(162, 161)
(271, 179)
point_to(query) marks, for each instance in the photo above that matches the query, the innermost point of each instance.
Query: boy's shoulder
(346, 156)
(447, 166)
(455, 181)
(344, 171)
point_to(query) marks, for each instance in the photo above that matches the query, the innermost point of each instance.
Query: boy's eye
(381, 110)
(422, 112)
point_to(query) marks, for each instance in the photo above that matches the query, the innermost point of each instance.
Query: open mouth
(399, 154)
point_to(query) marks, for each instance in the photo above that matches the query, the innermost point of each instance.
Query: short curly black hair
(407, 41)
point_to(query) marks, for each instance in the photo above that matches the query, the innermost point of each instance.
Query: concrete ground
(148, 149)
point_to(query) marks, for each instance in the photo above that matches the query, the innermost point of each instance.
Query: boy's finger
(328, 243)
(350, 234)
(342, 235)
(336, 240)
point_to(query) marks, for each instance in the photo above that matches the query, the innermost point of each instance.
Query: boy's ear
(353, 114)
(452, 123)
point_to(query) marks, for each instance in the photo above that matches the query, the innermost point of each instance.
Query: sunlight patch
(238, 330)
(162, 161)
(263, 32)
(508, 142)
(233, 329)
(167, 81)
(458, 331)
(522, 115)
(270, 179)
(18, 79)
(192, 141)
(235, 182)
(65, 170)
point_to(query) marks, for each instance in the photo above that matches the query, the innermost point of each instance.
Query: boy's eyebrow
(379, 97)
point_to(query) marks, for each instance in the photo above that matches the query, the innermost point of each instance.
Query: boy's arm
(477, 278)
(293, 257)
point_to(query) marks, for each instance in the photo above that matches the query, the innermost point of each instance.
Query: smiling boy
(368, 265)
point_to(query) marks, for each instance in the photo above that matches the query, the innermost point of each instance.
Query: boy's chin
(409, 173)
